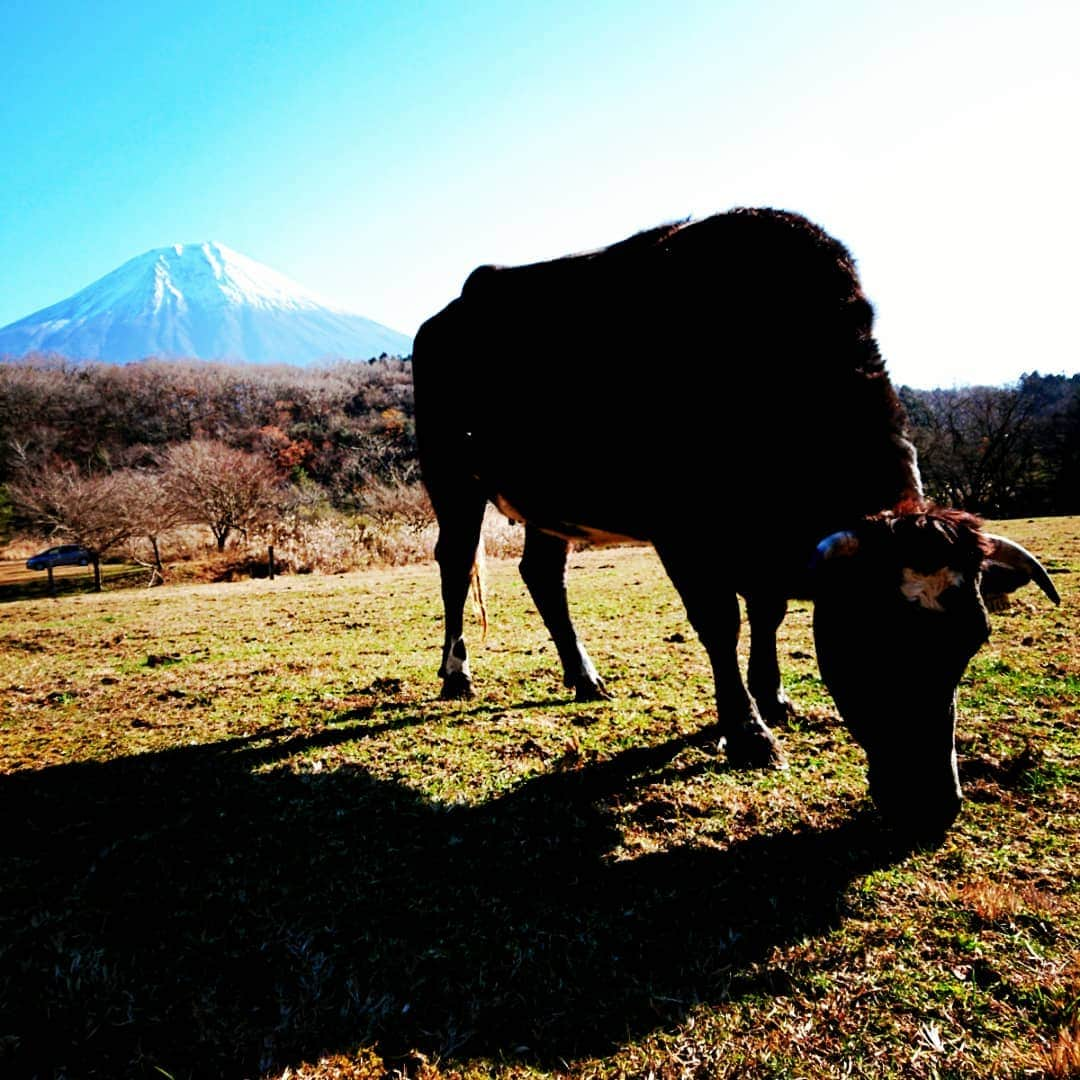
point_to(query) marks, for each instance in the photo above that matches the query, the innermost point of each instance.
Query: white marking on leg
(457, 658)
(586, 666)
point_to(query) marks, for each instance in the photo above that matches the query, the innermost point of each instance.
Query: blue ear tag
(837, 544)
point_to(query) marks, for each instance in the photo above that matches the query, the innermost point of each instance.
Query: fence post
(271, 551)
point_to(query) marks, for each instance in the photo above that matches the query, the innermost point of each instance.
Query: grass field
(242, 837)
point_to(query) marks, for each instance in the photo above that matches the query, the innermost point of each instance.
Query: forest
(107, 455)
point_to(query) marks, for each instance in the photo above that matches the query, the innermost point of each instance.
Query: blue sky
(376, 152)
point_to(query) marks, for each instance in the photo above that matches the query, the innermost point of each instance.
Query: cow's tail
(476, 581)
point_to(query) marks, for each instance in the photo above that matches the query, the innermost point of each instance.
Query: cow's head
(898, 614)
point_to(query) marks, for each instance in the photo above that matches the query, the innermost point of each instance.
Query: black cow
(714, 388)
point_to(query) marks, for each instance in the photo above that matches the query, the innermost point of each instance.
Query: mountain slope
(202, 301)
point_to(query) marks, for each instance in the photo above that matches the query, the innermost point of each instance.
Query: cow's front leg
(543, 568)
(766, 613)
(713, 610)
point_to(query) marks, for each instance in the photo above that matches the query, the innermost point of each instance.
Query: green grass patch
(243, 837)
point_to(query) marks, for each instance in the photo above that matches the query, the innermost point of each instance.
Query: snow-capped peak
(201, 300)
(196, 271)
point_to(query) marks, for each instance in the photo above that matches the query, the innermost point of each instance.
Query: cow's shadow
(199, 911)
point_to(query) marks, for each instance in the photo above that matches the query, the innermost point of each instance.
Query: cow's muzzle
(918, 809)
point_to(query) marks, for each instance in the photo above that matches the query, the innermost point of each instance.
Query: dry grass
(244, 838)
(991, 902)
(21, 548)
(401, 532)
(1060, 1060)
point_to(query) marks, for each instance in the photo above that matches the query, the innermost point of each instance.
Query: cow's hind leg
(713, 609)
(543, 568)
(766, 613)
(460, 511)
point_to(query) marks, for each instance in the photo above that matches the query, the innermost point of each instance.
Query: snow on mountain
(199, 301)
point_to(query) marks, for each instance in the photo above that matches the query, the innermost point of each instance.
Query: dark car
(65, 555)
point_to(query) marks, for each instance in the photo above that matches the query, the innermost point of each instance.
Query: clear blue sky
(375, 152)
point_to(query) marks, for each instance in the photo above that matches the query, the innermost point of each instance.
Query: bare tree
(228, 490)
(85, 510)
(976, 446)
(151, 510)
(398, 501)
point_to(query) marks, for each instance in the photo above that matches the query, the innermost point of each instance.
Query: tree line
(340, 425)
(97, 452)
(108, 456)
(1000, 451)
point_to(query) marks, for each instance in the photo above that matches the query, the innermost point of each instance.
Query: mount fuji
(202, 302)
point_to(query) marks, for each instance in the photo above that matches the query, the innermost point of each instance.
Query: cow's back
(730, 359)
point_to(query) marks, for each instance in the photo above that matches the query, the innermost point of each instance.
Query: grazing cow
(714, 388)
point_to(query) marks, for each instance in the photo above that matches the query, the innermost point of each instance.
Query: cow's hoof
(456, 687)
(586, 689)
(753, 750)
(777, 713)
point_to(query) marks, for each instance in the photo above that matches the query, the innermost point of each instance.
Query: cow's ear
(838, 545)
(833, 554)
(1007, 567)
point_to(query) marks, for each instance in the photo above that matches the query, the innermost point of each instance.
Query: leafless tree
(84, 510)
(151, 510)
(228, 490)
(399, 501)
(976, 446)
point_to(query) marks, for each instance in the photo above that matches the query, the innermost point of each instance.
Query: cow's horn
(1010, 554)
